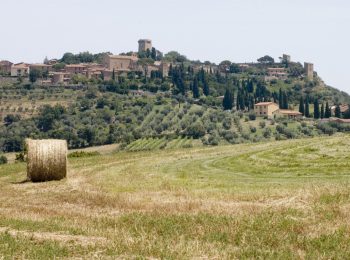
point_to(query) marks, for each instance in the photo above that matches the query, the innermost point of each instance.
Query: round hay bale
(46, 160)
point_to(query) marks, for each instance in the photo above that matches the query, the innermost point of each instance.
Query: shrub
(327, 129)
(252, 129)
(20, 157)
(267, 133)
(3, 159)
(252, 116)
(79, 154)
(262, 124)
(229, 136)
(227, 123)
(195, 130)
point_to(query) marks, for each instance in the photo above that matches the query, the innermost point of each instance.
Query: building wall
(265, 110)
(164, 69)
(5, 67)
(19, 71)
(78, 69)
(40, 67)
(120, 63)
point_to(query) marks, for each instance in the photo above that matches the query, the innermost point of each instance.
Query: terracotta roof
(289, 112)
(265, 103)
(21, 65)
(75, 66)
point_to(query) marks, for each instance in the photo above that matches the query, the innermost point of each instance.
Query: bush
(20, 157)
(267, 133)
(79, 154)
(262, 124)
(252, 129)
(229, 136)
(227, 123)
(195, 130)
(252, 116)
(327, 129)
(3, 159)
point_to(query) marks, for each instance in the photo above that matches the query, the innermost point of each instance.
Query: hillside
(286, 199)
(208, 103)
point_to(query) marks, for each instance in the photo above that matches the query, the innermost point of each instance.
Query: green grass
(272, 200)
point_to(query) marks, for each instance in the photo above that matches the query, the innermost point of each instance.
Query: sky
(315, 31)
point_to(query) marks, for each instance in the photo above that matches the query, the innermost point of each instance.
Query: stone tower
(309, 70)
(145, 45)
(286, 58)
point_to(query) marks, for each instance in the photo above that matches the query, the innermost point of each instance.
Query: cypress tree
(301, 106)
(327, 111)
(285, 100)
(154, 53)
(322, 111)
(195, 88)
(238, 101)
(280, 99)
(113, 75)
(337, 112)
(316, 109)
(307, 108)
(205, 87)
(228, 100)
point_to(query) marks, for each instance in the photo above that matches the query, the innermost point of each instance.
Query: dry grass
(287, 200)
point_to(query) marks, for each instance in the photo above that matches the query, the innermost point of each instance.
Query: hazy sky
(309, 30)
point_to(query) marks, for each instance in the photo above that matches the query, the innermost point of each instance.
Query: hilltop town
(93, 99)
(146, 61)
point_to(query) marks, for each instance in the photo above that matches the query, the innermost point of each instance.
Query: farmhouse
(20, 70)
(292, 114)
(265, 108)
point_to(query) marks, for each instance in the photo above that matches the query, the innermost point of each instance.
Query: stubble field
(286, 200)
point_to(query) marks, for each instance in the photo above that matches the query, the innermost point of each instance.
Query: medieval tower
(309, 70)
(145, 45)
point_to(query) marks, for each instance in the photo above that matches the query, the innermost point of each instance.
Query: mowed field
(286, 200)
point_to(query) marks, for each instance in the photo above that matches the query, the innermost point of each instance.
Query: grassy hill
(286, 199)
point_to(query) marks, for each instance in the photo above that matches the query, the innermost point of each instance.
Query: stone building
(58, 77)
(5, 67)
(120, 63)
(265, 109)
(75, 68)
(287, 113)
(164, 69)
(276, 73)
(144, 45)
(20, 70)
(309, 70)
